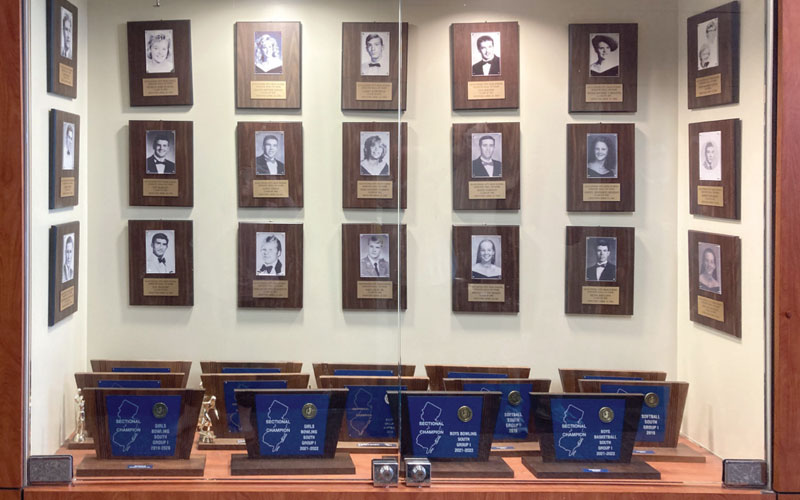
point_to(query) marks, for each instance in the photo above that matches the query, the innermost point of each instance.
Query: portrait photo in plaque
(604, 53)
(601, 259)
(374, 153)
(375, 53)
(270, 254)
(485, 53)
(487, 155)
(68, 151)
(160, 152)
(374, 255)
(65, 44)
(160, 251)
(707, 44)
(267, 54)
(159, 51)
(488, 261)
(270, 152)
(710, 277)
(601, 156)
(710, 155)
(68, 268)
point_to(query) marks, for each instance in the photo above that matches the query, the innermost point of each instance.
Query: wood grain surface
(730, 158)
(54, 57)
(321, 369)
(728, 16)
(283, 366)
(184, 262)
(730, 274)
(291, 51)
(57, 120)
(108, 365)
(55, 310)
(291, 257)
(184, 163)
(569, 377)
(351, 169)
(182, 57)
(351, 267)
(437, 373)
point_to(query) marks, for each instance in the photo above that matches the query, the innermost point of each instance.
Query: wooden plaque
(496, 292)
(268, 65)
(601, 167)
(715, 291)
(62, 48)
(383, 182)
(603, 68)
(330, 369)
(118, 366)
(609, 291)
(260, 186)
(497, 87)
(153, 282)
(364, 288)
(437, 373)
(457, 384)
(268, 283)
(714, 168)
(65, 134)
(160, 63)
(219, 366)
(161, 162)
(374, 88)
(569, 377)
(474, 187)
(63, 276)
(713, 56)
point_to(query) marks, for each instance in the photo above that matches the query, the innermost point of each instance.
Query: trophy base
(495, 467)
(366, 446)
(241, 465)
(95, 467)
(681, 453)
(87, 444)
(222, 444)
(589, 470)
(515, 449)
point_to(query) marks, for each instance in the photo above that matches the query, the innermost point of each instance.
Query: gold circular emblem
(606, 415)
(160, 410)
(651, 399)
(309, 411)
(514, 398)
(465, 414)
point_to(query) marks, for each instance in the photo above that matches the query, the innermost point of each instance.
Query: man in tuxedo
(68, 269)
(268, 163)
(377, 65)
(158, 163)
(485, 165)
(271, 252)
(157, 262)
(489, 63)
(372, 264)
(602, 270)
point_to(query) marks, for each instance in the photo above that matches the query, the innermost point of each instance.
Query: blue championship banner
(232, 409)
(653, 422)
(129, 384)
(139, 369)
(363, 373)
(475, 375)
(445, 426)
(143, 426)
(291, 424)
(368, 413)
(515, 408)
(236, 369)
(587, 430)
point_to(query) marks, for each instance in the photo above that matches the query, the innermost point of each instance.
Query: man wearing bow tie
(489, 63)
(157, 262)
(158, 163)
(485, 165)
(271, 252)
(377, 65)
(268, 163)
(602, 270)
(372, 264)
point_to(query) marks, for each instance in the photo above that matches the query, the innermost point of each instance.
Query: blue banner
(236, 369)
(143, 426)
(601, 377)
(364, 373)
(292, 424)
(653, 422)
(232, 409)
(579, 434)
(475, 375)
(139, 369)
(129, 384)
(512, 419)
(438, 432)
(368, 413)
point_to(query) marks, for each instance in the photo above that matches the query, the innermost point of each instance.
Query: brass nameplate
(710, 195)
(270, 289)
(267, 90)
(710, 308)
(486, 293)
(67, 187)
(160, 187)
(65, 74)
(160, 287)
(374, 190)
(271, 189)
(374, 290)
(600, 295)
(487, 190)
(153, 87)
(67, 298)
(373, 91)
(708, 85)
(604, 92)
(486, 90)
(601, 192)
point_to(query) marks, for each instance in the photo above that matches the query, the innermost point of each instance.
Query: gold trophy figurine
(204, 424)
(80, 419)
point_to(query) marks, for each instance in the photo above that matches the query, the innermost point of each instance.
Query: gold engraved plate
(710, 196)
(600, 295)
(708, 85)
(160, 287)
(155, 87)
(606, 415)
(604, 92)
(486, 90)
(270, 189)
(309, 411)
(601, 192)
(374, 290)
(651, 399)
(373, 91)
(465, 414)
(381, 190)
(711, 308)
(67, 298)
(268, 90)
(160, 410)
(67, 187)
(514, 398)
(270, 289)
(167, 188)
(487, 190)
(65, 74)
(486, 293)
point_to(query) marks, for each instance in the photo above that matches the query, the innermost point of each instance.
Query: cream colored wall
(725, 406)
(57, 352)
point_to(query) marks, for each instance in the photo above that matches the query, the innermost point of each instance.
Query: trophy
(80, 419)
(204, 424)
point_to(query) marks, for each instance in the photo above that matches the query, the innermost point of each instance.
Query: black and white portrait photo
(270, 153)
(268, 50)
(709, 278)
(160, 251)
(270, 254)
(604, 54)
(66, 33)
(68, 259)
(375, 53)
(601, 156)
(68, 147)
(710, 144)
(374, 153)
(159, 51)
(485, 53)
(707, 44)
(487, 264)
(160, 151)
(374, 255)
(487, 155)
(601, 259)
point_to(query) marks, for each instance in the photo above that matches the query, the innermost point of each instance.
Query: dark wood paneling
(437, 373)
(351, 267)
(283, 366)
(108, 365)
(729, 157)
(57, 120)
(245, 65)
(291, 257)
(728, 44)
(351, 165)
(321, 369)
(54, 57)
(292, 161)
(184, 262)
(729, 268)
(55, 310)
(569, 377)
(184, 163)
(182, 57)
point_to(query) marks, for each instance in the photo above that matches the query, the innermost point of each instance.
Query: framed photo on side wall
(714, 168)
(62, 48)
(713, 56)
(63, 275)
(715, 281)
(65, 135)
